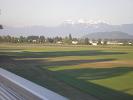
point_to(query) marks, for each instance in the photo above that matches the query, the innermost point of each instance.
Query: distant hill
(76, 29)
(109, 35)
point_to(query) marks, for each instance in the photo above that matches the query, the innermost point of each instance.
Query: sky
(54, 12)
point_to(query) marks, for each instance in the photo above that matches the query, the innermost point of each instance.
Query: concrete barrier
(14, 87)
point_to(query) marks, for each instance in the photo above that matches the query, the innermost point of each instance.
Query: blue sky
(54, 12)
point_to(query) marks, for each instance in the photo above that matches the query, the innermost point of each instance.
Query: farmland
(77, 72)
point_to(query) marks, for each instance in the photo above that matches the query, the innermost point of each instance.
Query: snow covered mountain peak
(84, 21)
(69, 22)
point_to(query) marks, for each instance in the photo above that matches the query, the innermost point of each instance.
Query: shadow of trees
(47, 64)
(98, 73)
(36, 70)
(80, 79)
(27, 54)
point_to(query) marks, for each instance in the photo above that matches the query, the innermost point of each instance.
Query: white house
(90, 41)
(114, 42)
(102, 42)
(34, 41)
(74, 42)
(94, 43)
(130, 43)
(59, 42)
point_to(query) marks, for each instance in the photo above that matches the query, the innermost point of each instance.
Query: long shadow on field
(97, 73)
(36, 70)
(27, 54)
(80, 79)
(46, 63)
(69, 63)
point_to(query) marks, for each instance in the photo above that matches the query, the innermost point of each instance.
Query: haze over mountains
(76, 29)
(109, 35)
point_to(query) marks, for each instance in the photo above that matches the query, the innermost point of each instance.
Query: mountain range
(109, 35)
(78, 29)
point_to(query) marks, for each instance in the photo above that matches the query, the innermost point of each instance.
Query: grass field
(104, 72)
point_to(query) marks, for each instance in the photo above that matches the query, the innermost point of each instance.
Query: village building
(34, 41)
(95, 43)
(74, 42)
(59, 42)
(114, 43)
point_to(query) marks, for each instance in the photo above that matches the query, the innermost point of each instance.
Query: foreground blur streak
(13, 87)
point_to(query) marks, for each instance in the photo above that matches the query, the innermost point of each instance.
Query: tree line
(43, 39)
(53, 40)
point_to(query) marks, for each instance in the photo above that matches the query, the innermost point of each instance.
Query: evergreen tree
(70, 37)
(105, 42)
(42, 39)
(99, 42)
(86, 41)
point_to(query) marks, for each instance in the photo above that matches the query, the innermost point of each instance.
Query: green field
(104, 72)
